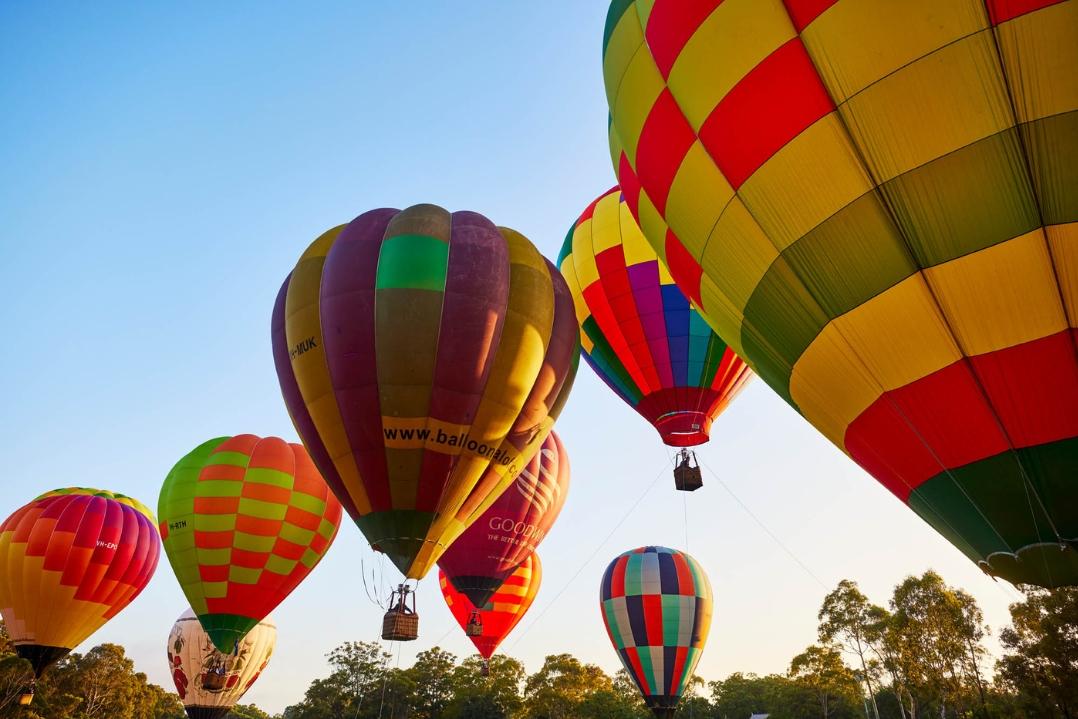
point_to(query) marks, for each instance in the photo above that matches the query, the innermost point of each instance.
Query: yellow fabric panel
(633, 243)
(731, 42)
(856, 42)
(521, 350)
(737, 242)
(690, 219)
(898, 335)
(605, 224)
(665, 278)
(937, 104)
(820, 167)
(625, 41)
(587, 272)
(1040, 51)
(652, 225)
(643, 10)
(1063, 242)
(568, 271)
(615, 146)
(1000, 296)
(722, 315)
(640, 87)
(303, 321)
(831, 386)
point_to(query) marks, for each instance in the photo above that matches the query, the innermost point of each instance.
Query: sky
(161, 169)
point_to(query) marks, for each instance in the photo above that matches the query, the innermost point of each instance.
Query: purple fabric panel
(473, 313)
(348, 328)
(297, 409)
(644, 279)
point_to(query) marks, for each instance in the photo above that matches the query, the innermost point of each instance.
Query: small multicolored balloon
(639, 333)
(208, 681)
(490, 623)
(656, 604)
(482, 558)
(71, 560)
(244, 520)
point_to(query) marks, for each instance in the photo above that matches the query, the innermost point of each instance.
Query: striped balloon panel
(510, 530)
(876, 204)
(503, 611)
(210, 682)
(423, 356)
(244, 520)
(656, 604)
(70, 560)
(639, 332)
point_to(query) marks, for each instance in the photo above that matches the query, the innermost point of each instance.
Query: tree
(496, 696)
(561, 685)
(1041, 667)
(432, 680)
(848, 618)
(247, 711)
(831, 683)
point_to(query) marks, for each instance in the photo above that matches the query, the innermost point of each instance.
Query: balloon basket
(475, 626)
(484, 671)
(687, 477)
(401, 623)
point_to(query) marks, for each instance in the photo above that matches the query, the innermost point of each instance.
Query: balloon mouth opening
(684, 429)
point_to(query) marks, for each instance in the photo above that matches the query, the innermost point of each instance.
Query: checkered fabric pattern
(876, 204)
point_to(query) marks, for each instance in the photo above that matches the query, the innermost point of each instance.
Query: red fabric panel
(1004, 10)
(595, 299)
(619, 292)
(664, 140)
(653, 618)
(617, 578)
(803, 12)
(638, 670)
(912, 433)
(683, 267)
(670, 25)
(1033, 388)
(630, 186)
(770, 106)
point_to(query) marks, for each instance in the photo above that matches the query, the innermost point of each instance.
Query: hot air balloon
(876, 205)
(656, 604)
(488, 624)
(244, 520)
(70, 561)
(208, 681)
(639, 332)
(423, 356)
(484, 556)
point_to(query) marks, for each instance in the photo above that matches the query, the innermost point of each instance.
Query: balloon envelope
(501, 613)
(69, 561)
(510, 530)
(876, 205)
(656, 604)
(244, 520)
(208, 681)
(423, 356)
(639, 332)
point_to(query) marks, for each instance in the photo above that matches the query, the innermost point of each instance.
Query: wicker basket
(400, 626)
(688, 479)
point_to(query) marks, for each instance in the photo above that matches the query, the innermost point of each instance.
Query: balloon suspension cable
(594, 553)
(767, 531)
(373, 595)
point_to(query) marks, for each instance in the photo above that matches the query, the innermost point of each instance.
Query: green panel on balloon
(413, 262)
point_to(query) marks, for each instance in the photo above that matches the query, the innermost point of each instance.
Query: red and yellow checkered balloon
(875, 203)
(244, 519)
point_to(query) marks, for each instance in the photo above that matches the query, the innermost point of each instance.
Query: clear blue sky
(162, 169)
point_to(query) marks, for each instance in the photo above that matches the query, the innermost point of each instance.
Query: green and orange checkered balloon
(244, 519)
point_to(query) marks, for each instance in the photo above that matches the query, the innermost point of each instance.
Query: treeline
(920, 656)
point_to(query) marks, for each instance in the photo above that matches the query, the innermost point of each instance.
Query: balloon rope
(763, 526)
(685, 520)
(595, 552)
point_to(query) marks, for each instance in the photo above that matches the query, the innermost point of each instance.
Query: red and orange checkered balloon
(244, 519)
(69, 561)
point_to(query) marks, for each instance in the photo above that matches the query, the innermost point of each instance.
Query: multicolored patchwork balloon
(69, 561)
(639, 332)
(876, 205)
(488, 551)
(501, 613)
(656, 604)
(423, 356)
(208, 681)
(244, 520)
